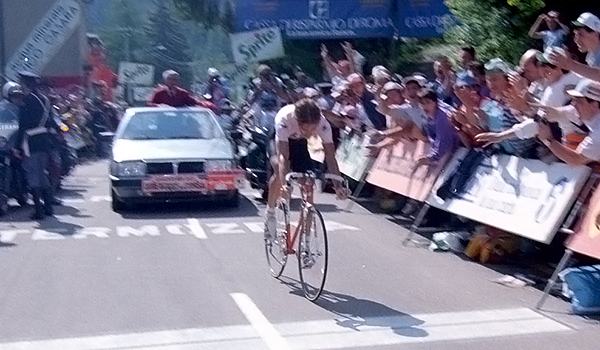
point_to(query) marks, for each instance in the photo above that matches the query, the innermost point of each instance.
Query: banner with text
(46, 38)
(352, 156)
(394, 170)
(523, 196)
(257, 45)
(422, 18)
(318, 19)
(586, 239)
(136, 73)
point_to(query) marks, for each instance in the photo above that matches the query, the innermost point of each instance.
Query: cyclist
(294, 124)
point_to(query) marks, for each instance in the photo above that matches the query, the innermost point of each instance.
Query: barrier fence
(526, 197)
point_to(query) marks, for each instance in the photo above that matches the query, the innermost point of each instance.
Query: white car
(172, 154)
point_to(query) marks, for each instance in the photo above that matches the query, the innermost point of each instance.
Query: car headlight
(129, 169)
(3, 141)
(216, 165)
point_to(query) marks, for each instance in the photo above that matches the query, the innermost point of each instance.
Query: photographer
(586, 101)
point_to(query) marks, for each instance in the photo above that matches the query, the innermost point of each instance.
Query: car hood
(125, 150)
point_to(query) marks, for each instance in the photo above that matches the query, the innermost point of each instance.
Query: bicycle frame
(306, 190)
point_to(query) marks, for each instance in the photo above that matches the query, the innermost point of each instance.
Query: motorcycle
(256, 160)
(12, 175)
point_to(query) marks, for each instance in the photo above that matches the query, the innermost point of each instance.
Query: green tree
(208, 13)
(167, 45)
(496, 28)
(123, 33)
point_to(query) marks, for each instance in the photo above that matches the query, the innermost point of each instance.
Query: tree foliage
(208, 13)
(167, 44)
(496, 28)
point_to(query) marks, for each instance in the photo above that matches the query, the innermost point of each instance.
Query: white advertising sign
(352, 156)
(142, 93)
(258, 45)
(523, 196)
(46, 39)
(136, 73)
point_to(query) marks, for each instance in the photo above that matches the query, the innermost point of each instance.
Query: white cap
(310, 92)
(586, 88)
(589, 20)
(212, 72)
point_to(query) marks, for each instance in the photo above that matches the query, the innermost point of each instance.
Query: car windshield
(170, 125)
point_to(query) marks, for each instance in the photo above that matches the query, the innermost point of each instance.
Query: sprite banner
(258, 45)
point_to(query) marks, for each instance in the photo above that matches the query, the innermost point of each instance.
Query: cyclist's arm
(332, 165)
(283, 159)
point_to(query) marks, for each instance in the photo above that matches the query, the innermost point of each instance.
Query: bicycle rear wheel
(313, 255)
(276, 247)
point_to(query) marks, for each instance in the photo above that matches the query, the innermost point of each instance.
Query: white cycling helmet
(212, 72)
(11, 88)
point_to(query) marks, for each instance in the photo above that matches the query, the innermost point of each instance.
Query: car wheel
(117, 204)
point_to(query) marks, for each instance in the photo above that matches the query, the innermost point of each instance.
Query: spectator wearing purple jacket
(437, 129)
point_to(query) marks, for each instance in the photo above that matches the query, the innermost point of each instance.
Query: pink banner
(394, 170)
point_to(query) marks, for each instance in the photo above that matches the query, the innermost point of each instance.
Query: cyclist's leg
(274, 191)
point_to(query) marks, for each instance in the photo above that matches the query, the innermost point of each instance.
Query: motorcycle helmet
(268, 100)
(11, 88)
(212, 72)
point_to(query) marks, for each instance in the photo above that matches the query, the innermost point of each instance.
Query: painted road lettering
(193, 228)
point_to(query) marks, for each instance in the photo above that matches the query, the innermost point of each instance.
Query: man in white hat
(587, 38)
(586, 100)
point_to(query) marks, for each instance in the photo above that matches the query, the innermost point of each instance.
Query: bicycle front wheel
(313, 254)
(276, 247)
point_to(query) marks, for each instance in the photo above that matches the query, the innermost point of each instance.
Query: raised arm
(533, 31)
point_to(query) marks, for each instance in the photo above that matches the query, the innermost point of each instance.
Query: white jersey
(286, 126)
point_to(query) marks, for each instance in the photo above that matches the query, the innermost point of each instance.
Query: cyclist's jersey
(286, 126)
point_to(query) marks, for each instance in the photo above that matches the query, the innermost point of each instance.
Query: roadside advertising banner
(318, 19)
(142, 93)
(46, 39)
(353, 156)
(422, 18)
(394, 170)
(257, 45)
(523, 196)
(136, 73)
(586, 239)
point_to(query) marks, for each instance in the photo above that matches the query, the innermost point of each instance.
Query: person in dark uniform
(35, 143)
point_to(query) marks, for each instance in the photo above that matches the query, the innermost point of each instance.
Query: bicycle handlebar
(297, 176)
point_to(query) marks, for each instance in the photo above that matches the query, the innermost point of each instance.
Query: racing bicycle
(310, 233)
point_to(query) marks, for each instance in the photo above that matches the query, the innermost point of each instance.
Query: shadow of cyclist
(356, 314)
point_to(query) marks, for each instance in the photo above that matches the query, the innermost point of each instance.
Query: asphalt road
(194, 276)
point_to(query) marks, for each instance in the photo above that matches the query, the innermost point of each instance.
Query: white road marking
(225, 229)
(126, 231)
(193, 228)
(265, 329)
(321, 334)
(196, 228)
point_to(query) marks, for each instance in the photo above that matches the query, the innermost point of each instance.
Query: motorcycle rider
(216, 91)
(13, 99)
(35, 144)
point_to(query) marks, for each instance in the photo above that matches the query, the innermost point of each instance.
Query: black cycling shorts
(300, 160)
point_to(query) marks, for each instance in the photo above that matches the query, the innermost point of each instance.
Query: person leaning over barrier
(400, 105)
(586, 100)
(557, 82)
(437, 129)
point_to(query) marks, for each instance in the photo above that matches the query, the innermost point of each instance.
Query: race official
(35, 144)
